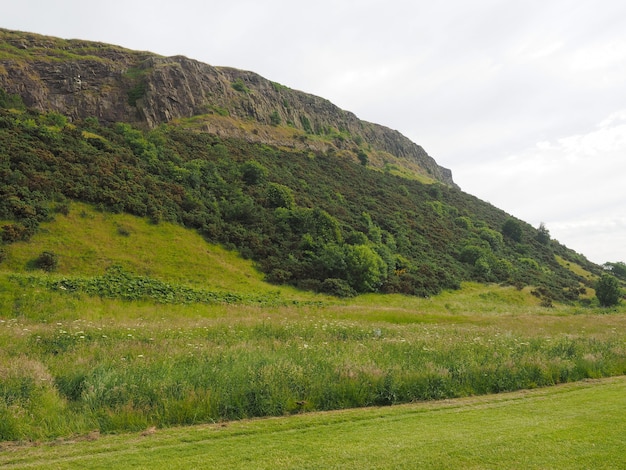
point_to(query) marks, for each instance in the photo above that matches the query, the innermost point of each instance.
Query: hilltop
(83, 79)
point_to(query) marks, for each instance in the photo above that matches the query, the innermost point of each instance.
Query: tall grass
(196, 364)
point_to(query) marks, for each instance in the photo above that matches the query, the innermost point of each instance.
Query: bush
(543, 234)
(240, 86)
(337, 287)
(607, 290)
(15, 232)
(279, 195)
(512, 229)
(275, 118)
(253, 172)
(48, 261)
(363, 158)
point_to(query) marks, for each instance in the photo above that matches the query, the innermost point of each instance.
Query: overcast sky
(525, 101)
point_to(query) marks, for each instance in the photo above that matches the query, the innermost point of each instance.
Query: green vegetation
(617, 269)
(326, 224)
(608, 290)
(96, 346)
(165, 277)
(568, 427)
(239, 85)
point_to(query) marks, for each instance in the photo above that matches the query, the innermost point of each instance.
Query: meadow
(128, 336)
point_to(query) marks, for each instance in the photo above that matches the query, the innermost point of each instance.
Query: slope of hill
(317, 198)
(313, 220)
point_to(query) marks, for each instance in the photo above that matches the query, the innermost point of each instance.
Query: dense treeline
(314, 220)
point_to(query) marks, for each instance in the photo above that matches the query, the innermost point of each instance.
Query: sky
(525, 101)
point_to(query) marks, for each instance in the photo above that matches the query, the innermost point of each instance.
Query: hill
(315, 197)
(83, 79)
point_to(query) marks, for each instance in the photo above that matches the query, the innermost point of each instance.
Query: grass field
(182, 333)
(571, 426)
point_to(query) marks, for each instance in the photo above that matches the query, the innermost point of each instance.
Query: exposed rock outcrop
(83, 79)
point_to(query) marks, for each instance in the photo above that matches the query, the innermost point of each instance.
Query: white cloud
(574, 184)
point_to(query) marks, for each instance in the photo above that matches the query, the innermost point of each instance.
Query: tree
(366, 270)
(617, 269)
(543, 234)
(608, 290)
(48, 261)
(512, 229)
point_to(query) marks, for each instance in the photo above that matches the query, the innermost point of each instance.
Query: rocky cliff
(87, 79)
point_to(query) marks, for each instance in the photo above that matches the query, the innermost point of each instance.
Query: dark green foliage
(240, 86)
(306, 124)
(303, 220)
(279, 195)
(608, 290)
(118, 283)
(512, 230)
(543, 234)
(616, 269)
(275, 118)
(8, 101)
(253, 172)
(337, 287)
(363, 158)
(48, 261)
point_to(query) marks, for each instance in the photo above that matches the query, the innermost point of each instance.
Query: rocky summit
(88, 79)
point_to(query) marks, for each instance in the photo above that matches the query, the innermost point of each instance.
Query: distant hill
(314, 196)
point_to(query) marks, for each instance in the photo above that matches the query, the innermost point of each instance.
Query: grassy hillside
(88, 242)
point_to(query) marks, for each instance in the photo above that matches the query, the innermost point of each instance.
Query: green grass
(88, 242)
(84, 348)
(573, 426)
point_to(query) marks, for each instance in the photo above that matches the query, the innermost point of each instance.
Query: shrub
(512, 229)
(337, 287)
(471, 253)
(253, 172)
(279, 195)
(365, 269)
(240, 86)
(608, 290)
(492, 237)
(48, 261)
(464, 222)
(275, 118)
(15, 232)
(10, 101)
(363, 158)
(543, 234)
(306, 124)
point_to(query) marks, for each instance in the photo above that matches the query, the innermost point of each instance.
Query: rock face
(84, 79)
